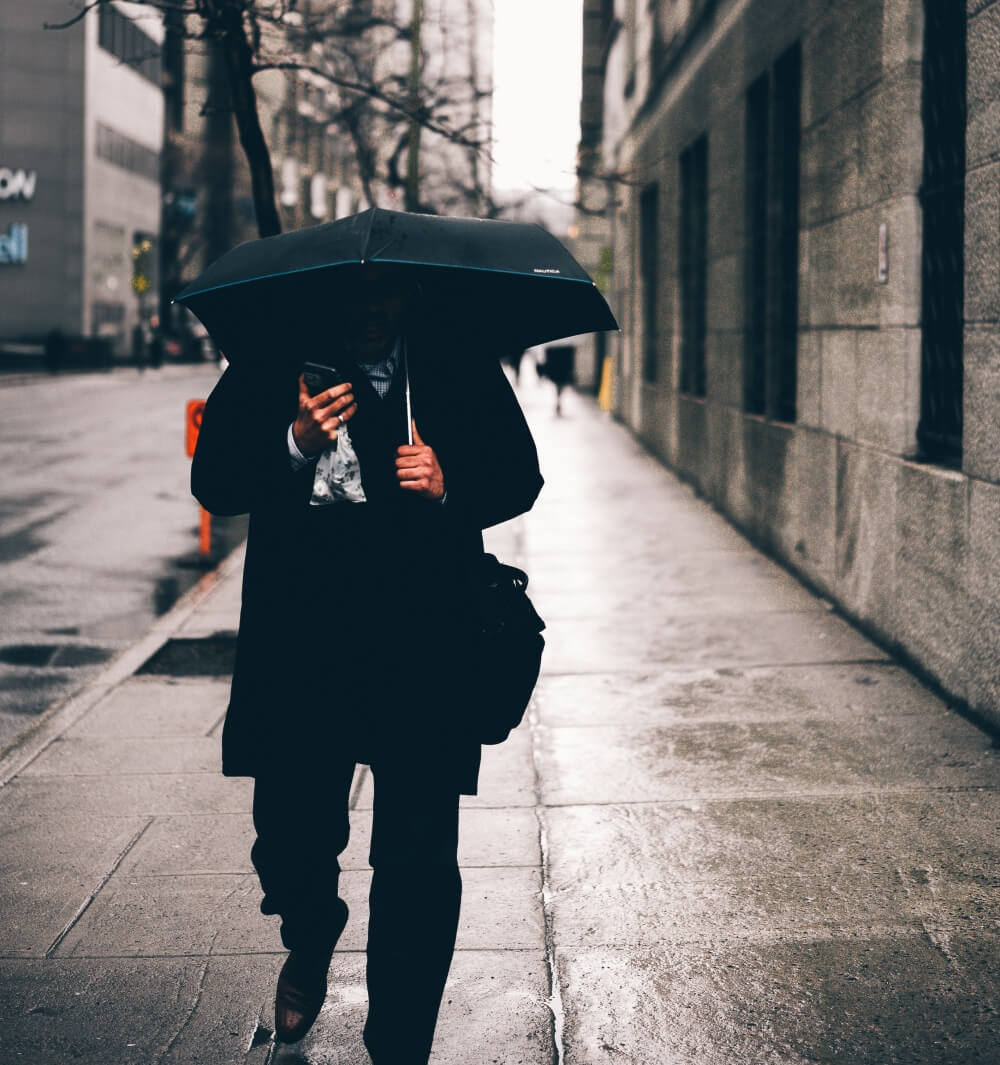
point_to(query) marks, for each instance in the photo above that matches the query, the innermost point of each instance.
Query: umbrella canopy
(510, 283)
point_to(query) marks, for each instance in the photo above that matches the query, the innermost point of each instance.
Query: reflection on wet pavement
(96, 541)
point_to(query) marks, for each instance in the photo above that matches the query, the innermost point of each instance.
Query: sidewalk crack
(190, 1013)
(555, 1002)
(85, 905)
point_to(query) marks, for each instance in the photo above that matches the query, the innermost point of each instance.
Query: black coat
(356, 617)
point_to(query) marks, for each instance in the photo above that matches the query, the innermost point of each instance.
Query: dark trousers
(302, 828)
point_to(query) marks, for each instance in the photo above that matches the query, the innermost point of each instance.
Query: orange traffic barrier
(192, 424)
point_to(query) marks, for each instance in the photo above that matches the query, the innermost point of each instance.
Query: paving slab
(860, 905)
(589, 645)
(839, 1002)
(621, 533)
(169, 916)
(613, 765)
(506, 777)
(501, 910)
(222, 1019)
(494, 1012)
(668, 696)
(99, 1012)
(42, 888)
(925, 839)
(648, 601)
(185, 914)
(220, 843)
(68, 756)
(195, 843)
(488, 837)
(128, 795)
(670, 574)
(147, 707)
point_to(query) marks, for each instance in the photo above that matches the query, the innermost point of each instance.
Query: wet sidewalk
(733, 830)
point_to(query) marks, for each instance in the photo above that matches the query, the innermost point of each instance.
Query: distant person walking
(558, 368)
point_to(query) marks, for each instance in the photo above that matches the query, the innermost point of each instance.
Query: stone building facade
(800, 198)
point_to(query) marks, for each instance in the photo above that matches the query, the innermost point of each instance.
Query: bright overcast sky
(536, 100)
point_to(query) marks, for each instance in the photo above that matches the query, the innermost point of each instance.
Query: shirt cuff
(298, 460)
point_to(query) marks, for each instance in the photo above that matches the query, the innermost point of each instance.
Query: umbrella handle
(409, 405)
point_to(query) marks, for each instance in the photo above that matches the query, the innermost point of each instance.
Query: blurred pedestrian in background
(558, 368)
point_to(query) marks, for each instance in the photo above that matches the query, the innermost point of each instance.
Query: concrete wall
(55, 86)
(117, 201)
(908, 549)
(42, 130)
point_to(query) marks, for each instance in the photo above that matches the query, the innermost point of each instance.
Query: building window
(942, 196)
(773, 138)
(122, 38)
(106, 318)
(757, 140)
(115, 148)
(693, 264)
(649, 251)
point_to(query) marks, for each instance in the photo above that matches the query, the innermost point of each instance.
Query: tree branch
(78, 17)
(403, 108)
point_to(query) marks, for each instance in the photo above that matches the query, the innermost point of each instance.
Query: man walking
(355, 632)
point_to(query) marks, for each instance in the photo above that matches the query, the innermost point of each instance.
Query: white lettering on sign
(17, 184)
(14, 246)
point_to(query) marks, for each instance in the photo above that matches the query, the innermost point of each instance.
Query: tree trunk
(363, 154)
(226, 18)
(412, 191)
(472, 17)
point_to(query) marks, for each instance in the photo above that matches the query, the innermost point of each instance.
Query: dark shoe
(300, 994)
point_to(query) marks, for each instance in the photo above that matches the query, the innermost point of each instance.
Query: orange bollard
(205, 533)
(192, 423)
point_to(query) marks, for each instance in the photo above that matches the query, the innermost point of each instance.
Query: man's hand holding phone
(323, 413)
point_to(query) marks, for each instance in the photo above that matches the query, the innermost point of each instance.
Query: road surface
(98, 530)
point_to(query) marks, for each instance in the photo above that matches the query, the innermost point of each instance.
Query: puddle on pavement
(35, 674)
(185, 572)
(27, 654)
(40, 655)
(180, 575)
(208, 656)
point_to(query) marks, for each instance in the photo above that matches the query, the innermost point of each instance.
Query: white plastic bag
(338, 474)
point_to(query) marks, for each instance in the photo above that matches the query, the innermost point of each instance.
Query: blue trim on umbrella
(401, 262)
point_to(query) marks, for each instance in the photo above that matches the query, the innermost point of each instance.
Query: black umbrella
(509, 283)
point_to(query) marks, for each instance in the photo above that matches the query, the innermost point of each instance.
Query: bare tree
(344, 43)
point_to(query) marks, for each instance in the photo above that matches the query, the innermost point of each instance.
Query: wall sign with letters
(16, 184)
(14, 245)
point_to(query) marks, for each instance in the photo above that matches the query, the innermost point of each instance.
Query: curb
(51, 724)
(18, 378)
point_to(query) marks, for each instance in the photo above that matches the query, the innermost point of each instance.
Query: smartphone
(319, 378)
